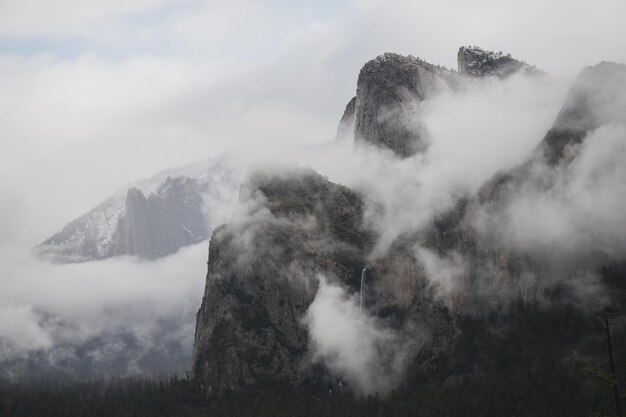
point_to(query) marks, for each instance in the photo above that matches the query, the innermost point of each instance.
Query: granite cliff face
(387, 88)
(159, 225)
(297, 225)
(390, 89)
(261, 278)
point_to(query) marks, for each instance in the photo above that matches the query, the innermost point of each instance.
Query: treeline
(541, 388)
(101, 397)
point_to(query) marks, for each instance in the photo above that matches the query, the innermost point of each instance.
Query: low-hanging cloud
(474, 131)
(579, 218)
(559, 222)
(355, 345)
(117, 316)
(125, 315)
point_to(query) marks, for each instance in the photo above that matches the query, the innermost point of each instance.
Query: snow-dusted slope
(107, 231)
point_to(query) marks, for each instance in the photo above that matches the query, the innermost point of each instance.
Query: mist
(122, 316)
(133, 307)
(474, 131)
(355, 345)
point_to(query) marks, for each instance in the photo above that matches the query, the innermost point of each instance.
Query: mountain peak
(388, 86)
(477, 62)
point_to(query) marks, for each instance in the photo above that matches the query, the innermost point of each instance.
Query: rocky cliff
(477, 62)
(262, 268)
(159, 225)
(388, 88)
(478, 229)
(595, 99)
(346, 124)
(261, 278)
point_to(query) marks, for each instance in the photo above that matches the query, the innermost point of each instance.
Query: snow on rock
(194, 196)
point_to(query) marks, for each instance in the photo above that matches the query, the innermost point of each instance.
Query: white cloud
(44, 18)
(20, 332)
(129, 305)
(353, 344)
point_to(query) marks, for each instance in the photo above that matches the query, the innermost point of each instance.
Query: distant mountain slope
(170, 218)
(180, 207)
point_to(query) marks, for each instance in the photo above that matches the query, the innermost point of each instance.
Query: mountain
(476, 62)
(596, 99)
(386, 85)
(391, 87)
(159, 225)
(151, 218)
(491, 303)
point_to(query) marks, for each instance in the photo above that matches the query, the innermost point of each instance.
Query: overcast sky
(97, 94)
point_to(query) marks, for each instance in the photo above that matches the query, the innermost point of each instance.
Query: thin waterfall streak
(361, 292)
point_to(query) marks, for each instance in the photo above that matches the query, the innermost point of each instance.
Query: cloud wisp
(119, 316)
(355, 345)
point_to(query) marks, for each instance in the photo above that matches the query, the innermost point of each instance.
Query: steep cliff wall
(389, 90)
(262, 277)
(162, 223)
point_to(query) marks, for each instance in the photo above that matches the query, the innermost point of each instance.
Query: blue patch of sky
(72, 46)
(62, 48)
